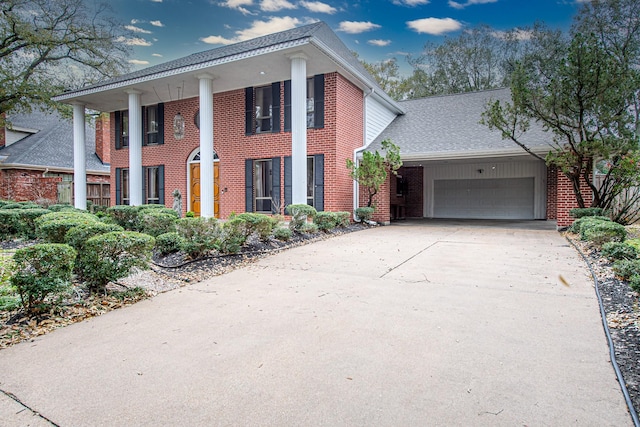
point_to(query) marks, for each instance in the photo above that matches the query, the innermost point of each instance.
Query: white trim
(447, 155)
(45, 167)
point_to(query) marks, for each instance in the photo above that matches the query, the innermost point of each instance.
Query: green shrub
(64, 215)
(634, 282)
(168, 243)
(5, 202)
(365, 213)
(9, 298)
(55, 230)
(635, 243)
(325, 220)
(234, 235)
(578, 224)
(156, 221)
(584, 212)
(299, 215)
(626, 268)
(308, 228)
(258, 223)
(343, 219)
(42, 271)
(619, 250)
(12, 206)
(111, 256)
(63, 207)
(282, 233)
(201, 235)
(78, 235)
(125, 216)
(9, 223)
(190, 214)
(603, 231)
(27, 221)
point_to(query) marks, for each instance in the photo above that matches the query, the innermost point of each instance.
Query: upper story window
(122, 129)
(262, 109)
(311, 108)
(314, 105)
(152, 126)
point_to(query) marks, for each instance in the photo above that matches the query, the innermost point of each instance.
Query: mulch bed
(621, 305)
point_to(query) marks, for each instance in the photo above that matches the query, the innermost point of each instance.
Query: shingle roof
(52, 145)
(448, 125)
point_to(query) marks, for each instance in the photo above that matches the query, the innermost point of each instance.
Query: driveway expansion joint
(33, 412)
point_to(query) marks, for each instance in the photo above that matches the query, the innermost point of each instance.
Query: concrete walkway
(423, 323)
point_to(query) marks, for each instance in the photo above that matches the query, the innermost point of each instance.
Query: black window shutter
(287, 106)
(287, 181)
(118, 118)
(248, 111)
(144, 185)
(318, 92)
(248, 185)
(318, 182)
(275, 184)
(160, 112)
(118, 186)
(275, 107)
(161, 184)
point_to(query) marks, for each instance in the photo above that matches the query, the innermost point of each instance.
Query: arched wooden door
(194, 173)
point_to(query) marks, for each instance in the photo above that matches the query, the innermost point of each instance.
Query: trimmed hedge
(627, 268)
(111, 256)
(9, 223)
(27, 219)
(584, 212)
(168, 243)
(299, 215)
(603, 231)
(78, 235)
(283, 234)
(578, 224)
(325, 220)
(125, 216)
(157, 221)
(42, 271)
(201, 235)
(53, 227)
(619, 250)
(364, 213)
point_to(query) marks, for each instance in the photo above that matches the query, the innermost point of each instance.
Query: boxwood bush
(157, 221)
(79, 234)
(125, 216)
(619, 250)
(54, 226)
(27, 221)
(299, 215)
(364, 213)
(201, 235)
(43, 272)
(168, 243)
(325, 220)
(583, 212)
(627, 268)
(282, 233)
(579, 223)
(233, 236)
(601, 232)
(9, 223)
(111, 256)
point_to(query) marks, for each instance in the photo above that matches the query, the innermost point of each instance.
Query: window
(122, 129)
(263, 185)
(262, 109)
(122, 186)
(314, 105)
(152, 185)
(310, 180)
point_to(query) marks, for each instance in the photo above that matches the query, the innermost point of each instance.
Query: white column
(79, 162)
(135, 148)
(298, 129)
(206, 145)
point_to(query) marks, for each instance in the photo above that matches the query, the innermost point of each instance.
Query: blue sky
(377, 30)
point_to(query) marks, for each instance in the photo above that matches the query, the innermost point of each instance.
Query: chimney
(103, 133)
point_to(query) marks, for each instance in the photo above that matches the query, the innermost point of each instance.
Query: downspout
(356, 152)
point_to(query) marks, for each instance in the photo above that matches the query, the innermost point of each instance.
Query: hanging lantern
(178, 127)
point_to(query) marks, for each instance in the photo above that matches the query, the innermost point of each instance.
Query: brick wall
(552, 192)
(103, 132)
(566, 199)
(342, 133)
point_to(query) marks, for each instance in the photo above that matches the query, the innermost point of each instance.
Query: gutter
(49, 169)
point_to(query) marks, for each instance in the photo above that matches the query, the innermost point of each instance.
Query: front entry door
(194, 169)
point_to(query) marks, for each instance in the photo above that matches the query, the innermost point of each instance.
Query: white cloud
(156, 1)
(257, 29)
(156, 23)
(134, 41)
(157, 55)
(135, 21)
(517, 33)
(378, 42)
(138, 62)
(458, 5)
(318, 7)
(434, 26)
(410, 3)
(239, 5)
(137, 29)
(354, 27)
(276, 5)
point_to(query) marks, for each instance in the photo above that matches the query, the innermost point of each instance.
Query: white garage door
(504, 198)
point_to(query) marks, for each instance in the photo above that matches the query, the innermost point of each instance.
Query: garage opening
(500, 198)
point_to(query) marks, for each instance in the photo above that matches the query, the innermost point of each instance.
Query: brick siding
(103, 132)
(342, 133)
(30, 185)
(566, 199)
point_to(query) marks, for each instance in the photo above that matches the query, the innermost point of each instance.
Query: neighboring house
(456, 167)
(268, 122)
(36, 159)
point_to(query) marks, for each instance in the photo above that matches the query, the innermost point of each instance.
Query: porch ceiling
(228, 75)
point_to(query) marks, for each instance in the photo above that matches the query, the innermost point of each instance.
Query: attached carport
(467, 170)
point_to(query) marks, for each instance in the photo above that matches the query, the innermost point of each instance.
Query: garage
(484, 198)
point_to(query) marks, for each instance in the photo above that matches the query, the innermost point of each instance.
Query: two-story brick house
(252, 127)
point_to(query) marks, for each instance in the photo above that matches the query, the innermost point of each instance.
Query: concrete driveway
(420, 323)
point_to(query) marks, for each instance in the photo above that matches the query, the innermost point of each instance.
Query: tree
(472, 61)
(372, 170)
(48, 46)
(387, 75)
(577, 88)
